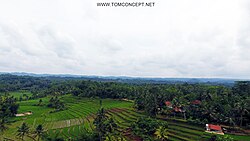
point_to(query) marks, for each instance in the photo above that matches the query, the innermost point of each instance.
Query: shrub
(146, 127)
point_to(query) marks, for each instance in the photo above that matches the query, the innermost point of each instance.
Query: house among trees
(168, 104)
(24, 114)
(210, 128)
(175, 109)
(196, 102)
(178, 109)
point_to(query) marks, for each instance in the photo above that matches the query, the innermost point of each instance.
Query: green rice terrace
(79, 116)
(68, 123)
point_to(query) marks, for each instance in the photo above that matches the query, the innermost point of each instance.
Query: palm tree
(40, 102)
(101, 117)
(23, 130)
(3, 124)
(162, 133)
(103, 124)
(39, 131)
(175, 104)
(230, 120)
(209, 111)
(111, 125)
(242, 108)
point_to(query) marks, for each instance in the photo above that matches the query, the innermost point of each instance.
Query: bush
(88, 136)
(146, 127)
(197, 121)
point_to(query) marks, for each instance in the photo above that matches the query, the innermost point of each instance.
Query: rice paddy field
(69, 122)
(80, 113)
(17, 94)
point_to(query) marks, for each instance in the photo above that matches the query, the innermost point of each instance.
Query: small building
(19, 115)
(28, 113)
(178, 109)
(211, 128)
(24, 114)
(168, 104)
(196, 102)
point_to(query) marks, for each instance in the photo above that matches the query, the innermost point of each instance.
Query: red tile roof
(214, 127)
(196, 102)
(168, 103)
(177, 109)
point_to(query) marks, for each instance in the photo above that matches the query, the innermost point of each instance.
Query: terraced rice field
(183, 131)
(79, 116)
(66, 124)
(178, 131)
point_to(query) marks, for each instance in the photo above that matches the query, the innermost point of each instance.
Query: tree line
(8, 108)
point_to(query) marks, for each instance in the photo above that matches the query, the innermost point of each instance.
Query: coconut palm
(209, 111)
(40, 102)
(161, 133)
(39, 131)
(23, 130)
(242, 108)
(98, 122)
(3, 123)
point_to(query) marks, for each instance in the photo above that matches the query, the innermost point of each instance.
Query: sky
(175, 38)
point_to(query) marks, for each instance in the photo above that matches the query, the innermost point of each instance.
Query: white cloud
(208, 38)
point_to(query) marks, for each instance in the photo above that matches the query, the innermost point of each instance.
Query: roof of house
(214, 127)
(178, 109)
(196, 102)
(168, 103)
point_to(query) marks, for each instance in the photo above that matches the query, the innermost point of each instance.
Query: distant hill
(126, 79)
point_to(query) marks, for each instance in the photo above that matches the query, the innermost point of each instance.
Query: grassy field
(80, 113)
(70, 122)
(17, 94)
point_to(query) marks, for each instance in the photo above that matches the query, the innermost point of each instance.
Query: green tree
(39, 131)
(3, 123)
(162, 133)
(242, 108)
(87, 135)
(224, 138)
(99, 123)
(104, 125)
(40, 102)
(152, 101)
(146, 127)
(23, 130)
(21, 98)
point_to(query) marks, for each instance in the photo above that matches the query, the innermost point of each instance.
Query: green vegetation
(67, 109)
(78, 119)
(146, 127)
(71, 121)
(22, 131)
(54, 102)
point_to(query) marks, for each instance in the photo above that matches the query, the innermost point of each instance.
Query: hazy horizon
(133, 77)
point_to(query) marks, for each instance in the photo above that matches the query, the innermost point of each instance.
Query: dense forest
(197, 103)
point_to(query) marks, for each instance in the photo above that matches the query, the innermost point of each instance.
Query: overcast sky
(175, 38)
